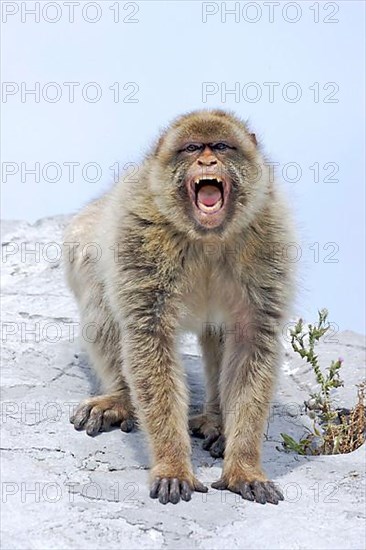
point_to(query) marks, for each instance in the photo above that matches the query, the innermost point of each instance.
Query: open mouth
(209, 194)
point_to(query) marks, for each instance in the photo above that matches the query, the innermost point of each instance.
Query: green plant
(333, 431)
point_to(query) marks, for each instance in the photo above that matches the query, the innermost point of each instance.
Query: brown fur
(160, 272)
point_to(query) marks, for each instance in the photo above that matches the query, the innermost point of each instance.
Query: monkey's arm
(147, 292)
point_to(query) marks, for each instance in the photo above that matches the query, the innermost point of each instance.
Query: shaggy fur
(161, 272)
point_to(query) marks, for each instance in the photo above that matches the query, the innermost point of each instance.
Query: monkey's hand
(172, 489)
(208, 426)
(250, 487)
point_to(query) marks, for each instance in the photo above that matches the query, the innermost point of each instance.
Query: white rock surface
(62, 489)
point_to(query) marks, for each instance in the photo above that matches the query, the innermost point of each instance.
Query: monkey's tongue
(209, 195)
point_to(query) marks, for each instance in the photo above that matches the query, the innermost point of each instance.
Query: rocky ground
(62, 489)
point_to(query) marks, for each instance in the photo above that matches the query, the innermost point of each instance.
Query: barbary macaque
(187, 246)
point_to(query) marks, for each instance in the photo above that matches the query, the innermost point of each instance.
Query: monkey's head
(207, 173)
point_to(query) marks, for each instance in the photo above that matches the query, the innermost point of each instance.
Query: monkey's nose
(207, 162)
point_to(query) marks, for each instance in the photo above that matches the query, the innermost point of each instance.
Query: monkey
(187, 246)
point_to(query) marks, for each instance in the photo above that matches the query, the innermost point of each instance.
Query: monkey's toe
(217, 447)
(100, 414)
(256, 491)
(173, 490)
(207, 427)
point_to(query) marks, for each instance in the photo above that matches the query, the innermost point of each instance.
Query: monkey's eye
(193, 147)
(220, 146)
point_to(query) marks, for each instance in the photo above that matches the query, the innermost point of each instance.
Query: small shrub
(333, 430)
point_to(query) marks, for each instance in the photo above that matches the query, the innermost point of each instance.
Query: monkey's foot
(99, 414)
(172, 489)
(208, 427)
(257, 490)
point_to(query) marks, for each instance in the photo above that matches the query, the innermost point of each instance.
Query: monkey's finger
(218, 448)
(186, 491)
(81, 416)
(154, 490)
(221, 485)
(199, 487)
(246, 491)
(276, 489)
(110, 418)
(259, 492)
(164, 491)
(274, 495)
(271, 498)
(128, 425)
(95, 421)
(174, 496)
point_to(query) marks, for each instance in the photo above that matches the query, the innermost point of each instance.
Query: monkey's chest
(211, 299)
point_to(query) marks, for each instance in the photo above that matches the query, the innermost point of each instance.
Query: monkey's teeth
(199, 180)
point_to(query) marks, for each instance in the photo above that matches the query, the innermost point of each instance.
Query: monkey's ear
(253, 137)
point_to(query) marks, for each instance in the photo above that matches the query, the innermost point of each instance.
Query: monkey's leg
(97, 413)
(246, 389)
(209, 424)
(100, 413)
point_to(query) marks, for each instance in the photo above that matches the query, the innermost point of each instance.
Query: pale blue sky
(169, 53)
